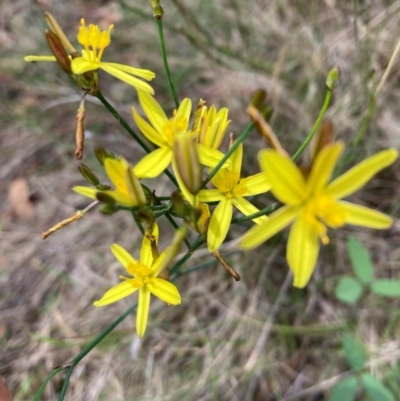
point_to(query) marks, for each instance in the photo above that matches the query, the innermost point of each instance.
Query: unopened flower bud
(56, 29)
(102, 154)
(258, 98)
(158, 10)
(105, 198)
(108, 210)
(333, 78)
(178, 204)
(88, 174)
(187, 163)
(58, 51)
(135, 189)
(150, 197)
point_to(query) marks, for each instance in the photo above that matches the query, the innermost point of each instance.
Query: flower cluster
(209, 182)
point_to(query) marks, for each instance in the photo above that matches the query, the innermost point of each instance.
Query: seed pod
(79, 133)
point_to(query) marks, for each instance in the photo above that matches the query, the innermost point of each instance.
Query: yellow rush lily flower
(144, 279)
(230, 191)
(313, 204)
(94, 41)
(210, 125)
(162, 132)
(127, 192)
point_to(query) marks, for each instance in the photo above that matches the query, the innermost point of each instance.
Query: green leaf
(345, 390)
(375, 389)
(348, 290)
(388, 288)
(354, 352)
(360, 260)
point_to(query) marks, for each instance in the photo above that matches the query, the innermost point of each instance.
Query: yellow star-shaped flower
(94, 41)
(162, 132)
(230, 191)
(145, 280)
(313, 204)
(128, 190)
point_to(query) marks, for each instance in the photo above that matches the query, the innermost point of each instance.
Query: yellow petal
(365, 217)
(236, 160)
(115, 169)
(134, 188)
(120, 197)
(357, 176)
(86, 191)
(153, 111)
(287, 182)
(146, 256)
(186, 194)
(211, 157)
(181, 120)
(220, 178)
(210, 195)
(129, 79)
(257, 184)
(164, 290)
(323, 167)
(302, 252)
(148, 131)
(159, 264)
(122, 255)
(145, 74)
(154, 163)
(219, 224)
(276, 222)
(142, 311)
(247, 208)
(81, 65)
(39, 58)
(116, 293)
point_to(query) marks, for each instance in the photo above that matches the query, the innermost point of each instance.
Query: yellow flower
(94, 42)
(162, 132)
(144, 279)
(209, 125)
(314, 204)
(127, 192)
(230, 190)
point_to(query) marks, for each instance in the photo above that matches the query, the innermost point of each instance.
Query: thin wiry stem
(165, 61)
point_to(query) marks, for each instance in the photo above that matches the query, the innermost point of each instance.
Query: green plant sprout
(350, 289)
(347, 388)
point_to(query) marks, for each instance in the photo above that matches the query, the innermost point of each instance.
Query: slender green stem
(199, 241)
(131, 132)
(155, 208)
(65, 383)
(165, 60)
(172, 221)
(44, 384)
(121, 120)
(236, 144)
(316, 125)
(262, 212)
(163, 198)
